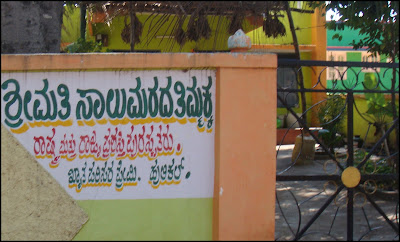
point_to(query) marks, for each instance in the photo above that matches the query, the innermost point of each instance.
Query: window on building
(337, 72)
(286, 77)
(367, 57)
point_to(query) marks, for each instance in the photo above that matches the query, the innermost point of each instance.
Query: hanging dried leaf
(280, 28)
(272, 27)
(192, 28)
(180, 35)
(236, 23)
(267, 25)
(126, 31)
(205, 30)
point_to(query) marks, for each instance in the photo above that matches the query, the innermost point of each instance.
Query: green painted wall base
(147, 219)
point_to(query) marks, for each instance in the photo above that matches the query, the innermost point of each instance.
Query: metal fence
(348, 188)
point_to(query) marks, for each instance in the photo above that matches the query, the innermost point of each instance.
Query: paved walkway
(310, 196)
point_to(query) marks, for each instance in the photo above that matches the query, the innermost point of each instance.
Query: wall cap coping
(87, 61)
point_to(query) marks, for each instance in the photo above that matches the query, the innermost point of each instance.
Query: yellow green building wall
(363, 128)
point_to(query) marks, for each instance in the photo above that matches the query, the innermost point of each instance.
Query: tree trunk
(297, 53)
(83, 21)
(132, 15)
(393, 96)
(31, 26)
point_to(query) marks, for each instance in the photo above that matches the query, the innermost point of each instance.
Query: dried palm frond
(231, 17)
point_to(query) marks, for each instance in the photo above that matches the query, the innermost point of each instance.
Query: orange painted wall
(245, 134)
(244, 195)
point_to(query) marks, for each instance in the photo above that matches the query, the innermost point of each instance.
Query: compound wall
(84, 158)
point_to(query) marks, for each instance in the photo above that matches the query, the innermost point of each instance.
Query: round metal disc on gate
(351, 177)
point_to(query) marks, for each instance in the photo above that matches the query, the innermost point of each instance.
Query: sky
(329, 13)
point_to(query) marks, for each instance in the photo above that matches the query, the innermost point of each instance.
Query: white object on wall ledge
(239, 40)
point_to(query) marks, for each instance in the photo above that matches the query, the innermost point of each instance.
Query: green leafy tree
(378, 110)
(377, 20)
(331, 115)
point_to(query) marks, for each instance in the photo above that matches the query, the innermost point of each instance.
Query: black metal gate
(348, 190)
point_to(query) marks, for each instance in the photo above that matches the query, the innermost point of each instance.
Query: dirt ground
(298, 201)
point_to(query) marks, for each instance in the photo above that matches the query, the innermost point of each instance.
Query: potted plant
(331, 114)
(378, 112)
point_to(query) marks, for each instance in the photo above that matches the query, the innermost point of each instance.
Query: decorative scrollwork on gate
(340, 193)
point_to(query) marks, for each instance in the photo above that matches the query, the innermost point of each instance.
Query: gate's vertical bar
(350, 162)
